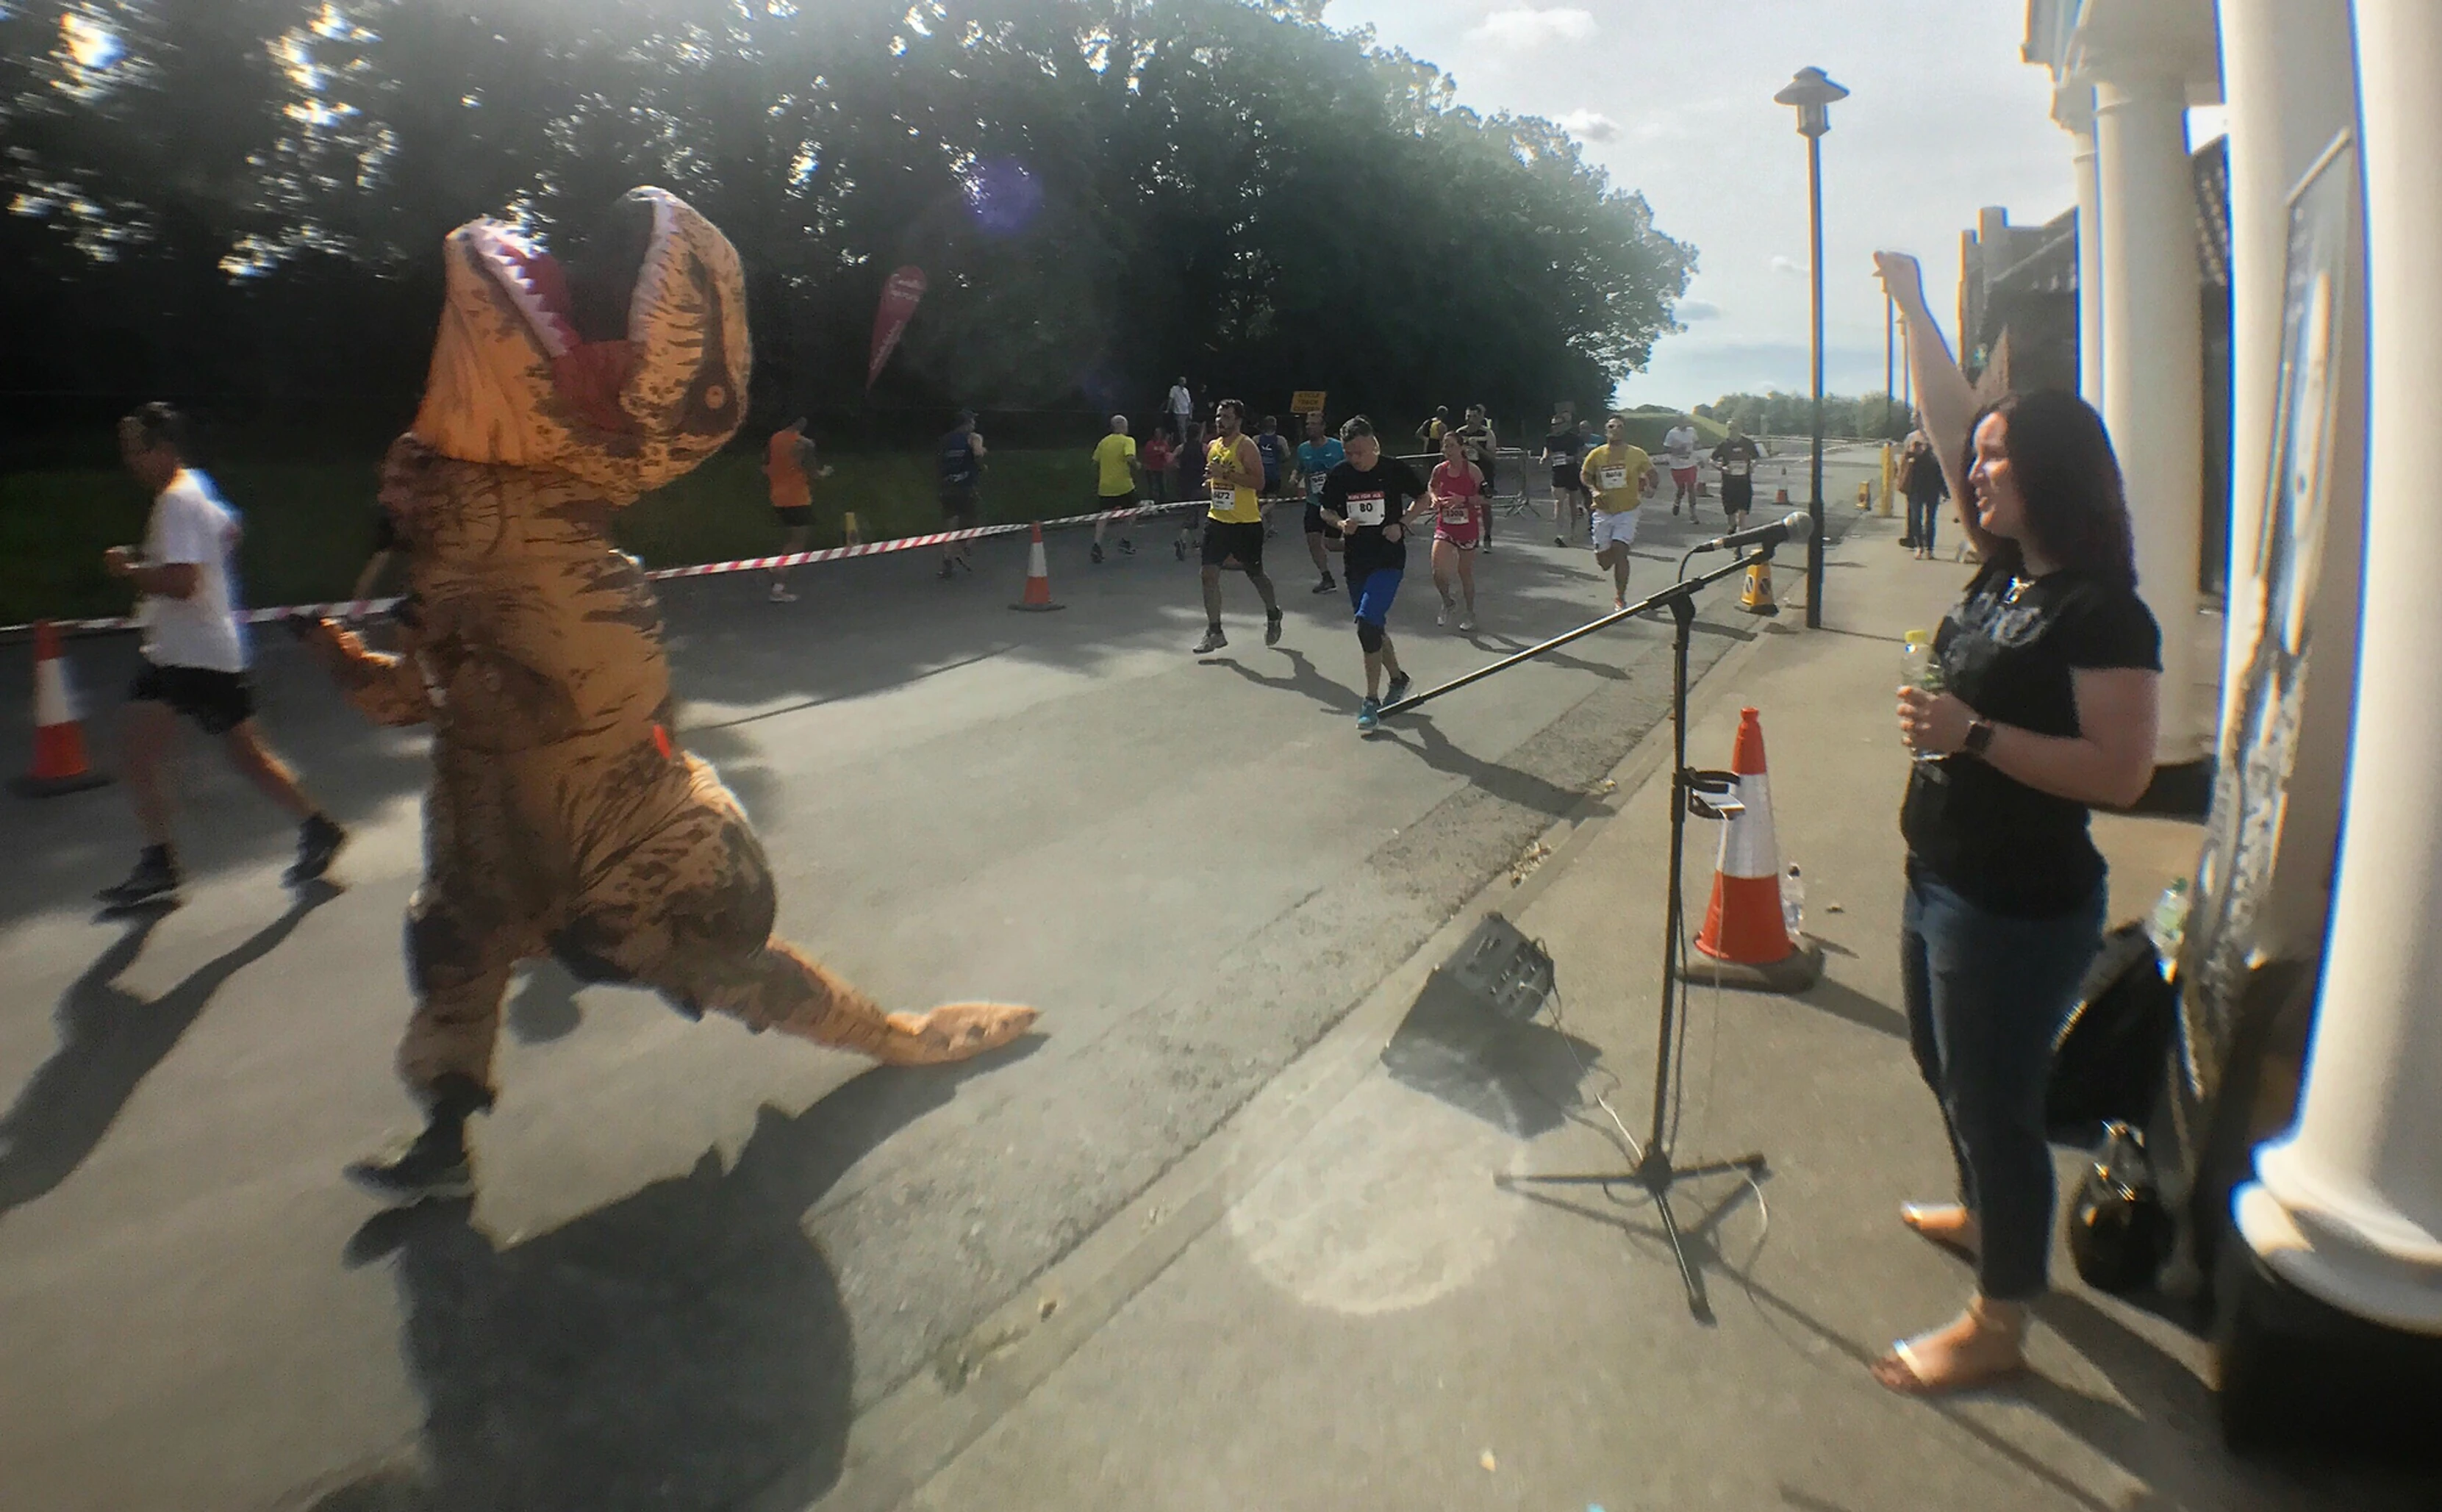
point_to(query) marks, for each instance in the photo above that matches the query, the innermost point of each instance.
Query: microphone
(1796, 525)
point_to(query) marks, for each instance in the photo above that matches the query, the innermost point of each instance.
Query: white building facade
(2322, 700)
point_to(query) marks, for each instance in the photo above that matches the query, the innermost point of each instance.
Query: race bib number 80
(1366, 509)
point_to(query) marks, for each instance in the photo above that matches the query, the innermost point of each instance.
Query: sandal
(1907, 1369)
(1946, 1224)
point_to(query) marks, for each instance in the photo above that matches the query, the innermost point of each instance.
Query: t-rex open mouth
(589, 374)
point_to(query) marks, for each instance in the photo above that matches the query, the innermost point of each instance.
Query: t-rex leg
(688, 910)
(460, 970)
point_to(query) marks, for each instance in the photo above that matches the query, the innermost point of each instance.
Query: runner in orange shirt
(790, 465)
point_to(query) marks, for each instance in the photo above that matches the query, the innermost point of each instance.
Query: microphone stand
(1703, 793)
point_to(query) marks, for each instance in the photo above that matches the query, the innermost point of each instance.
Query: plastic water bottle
(2168, 928)
(1922, 668)
(1793, 906)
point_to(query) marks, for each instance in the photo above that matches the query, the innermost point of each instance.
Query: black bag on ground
(2108, 1058)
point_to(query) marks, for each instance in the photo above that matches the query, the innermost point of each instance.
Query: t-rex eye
(715, 398)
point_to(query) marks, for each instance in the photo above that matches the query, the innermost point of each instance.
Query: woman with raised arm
(2049, 665)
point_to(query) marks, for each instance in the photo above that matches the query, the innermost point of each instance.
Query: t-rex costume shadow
(563, 815)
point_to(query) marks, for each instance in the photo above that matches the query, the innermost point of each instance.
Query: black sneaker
(1327, 585)
(1179, 548)
(1272, 629)
(1559, 541)
(1094, 554)
(1127, 547)
(154, 881)
(433, 1166)
(318, 841)
(1398, 688)
(1214, 640)
(947, 569)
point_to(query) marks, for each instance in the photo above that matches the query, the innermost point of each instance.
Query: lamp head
(1812, 92)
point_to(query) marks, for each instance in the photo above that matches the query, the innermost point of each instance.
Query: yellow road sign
(1306, 402)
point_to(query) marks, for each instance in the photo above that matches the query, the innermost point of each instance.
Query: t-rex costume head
(564, 816)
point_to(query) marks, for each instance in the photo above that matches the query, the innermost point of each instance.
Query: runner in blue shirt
(1316, 456)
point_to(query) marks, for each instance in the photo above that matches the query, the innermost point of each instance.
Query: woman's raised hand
(1903, 278)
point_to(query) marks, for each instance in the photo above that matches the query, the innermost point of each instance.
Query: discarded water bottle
(1793, 906)
(1922, 667)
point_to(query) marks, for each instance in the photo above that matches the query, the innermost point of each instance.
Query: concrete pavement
(699, 1255)
(1334, 1306)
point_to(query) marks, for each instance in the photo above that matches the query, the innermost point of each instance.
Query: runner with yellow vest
(1233, 533)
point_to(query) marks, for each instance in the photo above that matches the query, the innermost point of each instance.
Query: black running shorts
(217, 701)
(1229, 544)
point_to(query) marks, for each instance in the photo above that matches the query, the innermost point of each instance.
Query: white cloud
(1788, 266)
(1591, 124)
(1522, 27)
(1698, 310)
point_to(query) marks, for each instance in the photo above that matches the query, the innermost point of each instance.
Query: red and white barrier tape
(359, 608)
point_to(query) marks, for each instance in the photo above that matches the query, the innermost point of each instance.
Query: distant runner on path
(1368, 500)
(1233, 536)
(789, 465)
(1679, 444)
(1115, 482)
(1316, 456)
(1619, 476)
(963, 476)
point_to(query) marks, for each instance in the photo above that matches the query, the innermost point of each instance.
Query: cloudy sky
(1674, 97)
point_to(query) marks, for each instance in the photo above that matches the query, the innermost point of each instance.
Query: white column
(2292, 84)
(2089, 254)
(2348, 1205)
(2153, 372)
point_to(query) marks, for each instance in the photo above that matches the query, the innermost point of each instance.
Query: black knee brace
(1370, 637)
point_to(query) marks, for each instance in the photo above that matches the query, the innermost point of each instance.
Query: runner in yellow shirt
(1233, 536)
(1618, 476)
(1115, 463)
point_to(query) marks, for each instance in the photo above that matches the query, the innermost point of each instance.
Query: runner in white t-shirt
(1679, 445)
(194, 660)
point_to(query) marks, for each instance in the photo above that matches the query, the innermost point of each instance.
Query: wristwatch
(1980, 737)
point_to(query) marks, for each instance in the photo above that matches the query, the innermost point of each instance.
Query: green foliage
(1861, 417)
(239, 202)
(310, 527)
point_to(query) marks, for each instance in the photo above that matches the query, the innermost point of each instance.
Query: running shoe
(947, 570)
(1398, 688)
(1214, 640)
(1466, 624)
(1272, 629)
(1127, 547)
(1179, 548)
(1441, 616)
(1369, 713)
(318, 841)
(1619, 603)
(780, 594)
(1327, 585)
(1559, 541)
(154, 881)
(1095, 554)
(433, 1166)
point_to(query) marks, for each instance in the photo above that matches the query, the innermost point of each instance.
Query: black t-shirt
(2008, 655)
(1565, 451)
(1375, 498)
(1737, 456)
(961, 468)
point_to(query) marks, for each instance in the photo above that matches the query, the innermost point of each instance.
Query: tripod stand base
(1656, 1174)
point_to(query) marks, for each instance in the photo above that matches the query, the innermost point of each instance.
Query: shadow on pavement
(1521, 1077)
(685, 1348)
(1436, 751)
(110, 1040)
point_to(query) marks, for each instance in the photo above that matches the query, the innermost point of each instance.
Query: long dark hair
(2061, 459)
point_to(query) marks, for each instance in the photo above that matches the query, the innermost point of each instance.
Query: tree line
(240, 201)
(1855, 417)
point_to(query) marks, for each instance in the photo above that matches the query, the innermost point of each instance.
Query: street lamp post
(1813, 95)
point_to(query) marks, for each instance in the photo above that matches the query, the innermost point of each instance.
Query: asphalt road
(698, 1252)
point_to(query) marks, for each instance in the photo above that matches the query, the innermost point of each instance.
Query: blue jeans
(1986, 996)
(1921, 517)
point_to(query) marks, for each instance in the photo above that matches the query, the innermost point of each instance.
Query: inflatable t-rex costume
(564, 817)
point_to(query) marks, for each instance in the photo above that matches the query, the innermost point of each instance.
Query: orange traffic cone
(1038, 577)
(59, 764)
(1745, 943)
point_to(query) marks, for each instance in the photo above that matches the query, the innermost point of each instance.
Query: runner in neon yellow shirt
(1618, 476)
(1233, 536)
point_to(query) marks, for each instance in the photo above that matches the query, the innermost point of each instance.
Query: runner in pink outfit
(1456, 493)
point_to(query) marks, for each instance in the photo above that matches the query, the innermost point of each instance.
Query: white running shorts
(1620, 527)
